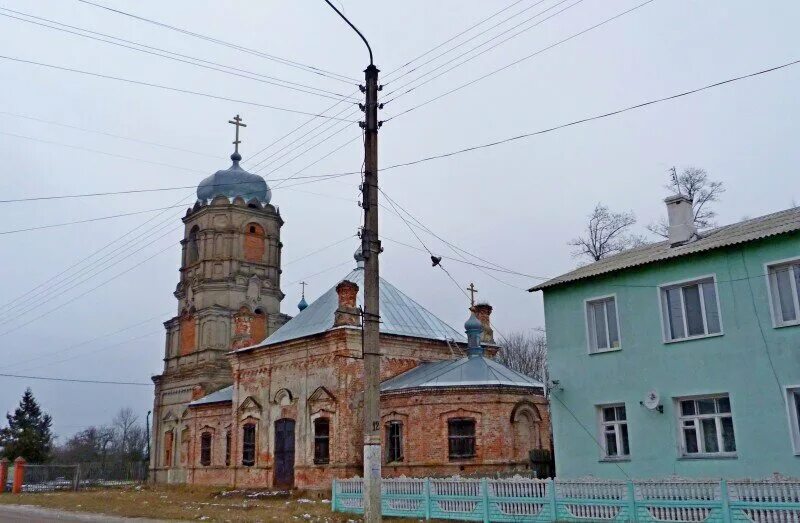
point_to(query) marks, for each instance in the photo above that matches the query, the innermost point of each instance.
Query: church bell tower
(229, 291)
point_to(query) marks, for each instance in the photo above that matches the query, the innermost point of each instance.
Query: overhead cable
(166, 87)
(284, 61)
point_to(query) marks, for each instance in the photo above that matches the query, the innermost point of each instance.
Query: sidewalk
(29, 513)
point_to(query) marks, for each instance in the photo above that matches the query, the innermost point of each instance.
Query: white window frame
(601, 430)
(701, 454)
(665, 320)
(792, 416)
(777, 319)
(586, 303)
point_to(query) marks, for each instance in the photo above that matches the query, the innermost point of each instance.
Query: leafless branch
(606, 233)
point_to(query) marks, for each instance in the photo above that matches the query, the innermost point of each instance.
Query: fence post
(19, 475)
(77, 479)
(333, 495)
(631, 501)
(3, 474)
(427, 499)
(485, 493)
(726, 504)
(551, 485)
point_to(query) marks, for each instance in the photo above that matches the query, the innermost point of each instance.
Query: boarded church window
(254, 243)
(205, 449)
(461, 438)
(192, 252)
(322, 447)
(394, 441)
(249, 445)
(228, 449)
(169, 442)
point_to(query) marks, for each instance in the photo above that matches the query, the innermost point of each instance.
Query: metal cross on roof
(472, 292)
(303, 284)
(237, 121)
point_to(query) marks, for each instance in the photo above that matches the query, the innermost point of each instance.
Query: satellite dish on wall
(652, 401)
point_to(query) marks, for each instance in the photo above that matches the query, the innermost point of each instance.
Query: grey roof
(399, 315)
(745, 231)
(232, 182)
(475, 371)
(221, 396)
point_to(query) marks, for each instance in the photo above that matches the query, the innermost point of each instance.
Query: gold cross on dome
(237, 121)
(303, 284)
(472, 292)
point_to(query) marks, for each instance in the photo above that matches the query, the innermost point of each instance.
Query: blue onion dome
(234, 181)
(473, 324)
(303, 304)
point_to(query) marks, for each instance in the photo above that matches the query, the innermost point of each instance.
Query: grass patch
(186, 502)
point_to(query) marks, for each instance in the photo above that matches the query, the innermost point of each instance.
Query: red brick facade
(321, 376)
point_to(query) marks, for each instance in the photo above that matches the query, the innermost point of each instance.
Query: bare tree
(526, 352)
(606, 233)
(124, 424)
(694, 183)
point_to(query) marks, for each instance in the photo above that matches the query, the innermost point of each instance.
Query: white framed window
(784, 291)
(706, 427)
(793, 404)
(690, 309)
(614, 431)
(602, 324)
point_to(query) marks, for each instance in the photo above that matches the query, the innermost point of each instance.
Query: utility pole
(370, 248)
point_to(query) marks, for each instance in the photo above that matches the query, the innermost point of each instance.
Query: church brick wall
(322, 376)
(425, 415)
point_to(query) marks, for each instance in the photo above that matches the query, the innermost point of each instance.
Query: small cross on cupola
(472, 292)
(237, 121)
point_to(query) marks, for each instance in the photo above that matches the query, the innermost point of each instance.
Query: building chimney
(347, 313)
(681, 219)
(483, 311)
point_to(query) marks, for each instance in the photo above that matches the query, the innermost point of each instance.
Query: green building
(680, 357)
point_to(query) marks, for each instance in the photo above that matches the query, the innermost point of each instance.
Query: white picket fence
(773, 500)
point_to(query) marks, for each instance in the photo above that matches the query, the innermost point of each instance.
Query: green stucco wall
(735, 363)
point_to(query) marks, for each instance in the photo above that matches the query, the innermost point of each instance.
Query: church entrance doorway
(284, 453)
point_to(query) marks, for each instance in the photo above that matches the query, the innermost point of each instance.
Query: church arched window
(205, 449)
(249, 445)
(258, 328)
(254, 242)
(192, 252)
(322, 440)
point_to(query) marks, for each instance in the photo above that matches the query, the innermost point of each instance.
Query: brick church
(251, 397)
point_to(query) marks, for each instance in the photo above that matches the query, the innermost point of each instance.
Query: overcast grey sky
(517, 204)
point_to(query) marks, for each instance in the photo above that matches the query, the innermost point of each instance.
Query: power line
(31, 303)
(97, 219)
(590, 118)
(485, 42)
(97, 151)
(105, 133)
(284, 61)
(98, 251)
(89, 353)
(166, 87)
(190, 60)
(462, 86)
(97, 382)
(312, 253)
(82, 343)
(52, 310)
(470, 28)
(320, 272)
(476, 147)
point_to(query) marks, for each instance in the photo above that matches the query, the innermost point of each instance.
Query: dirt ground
(191, 503)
